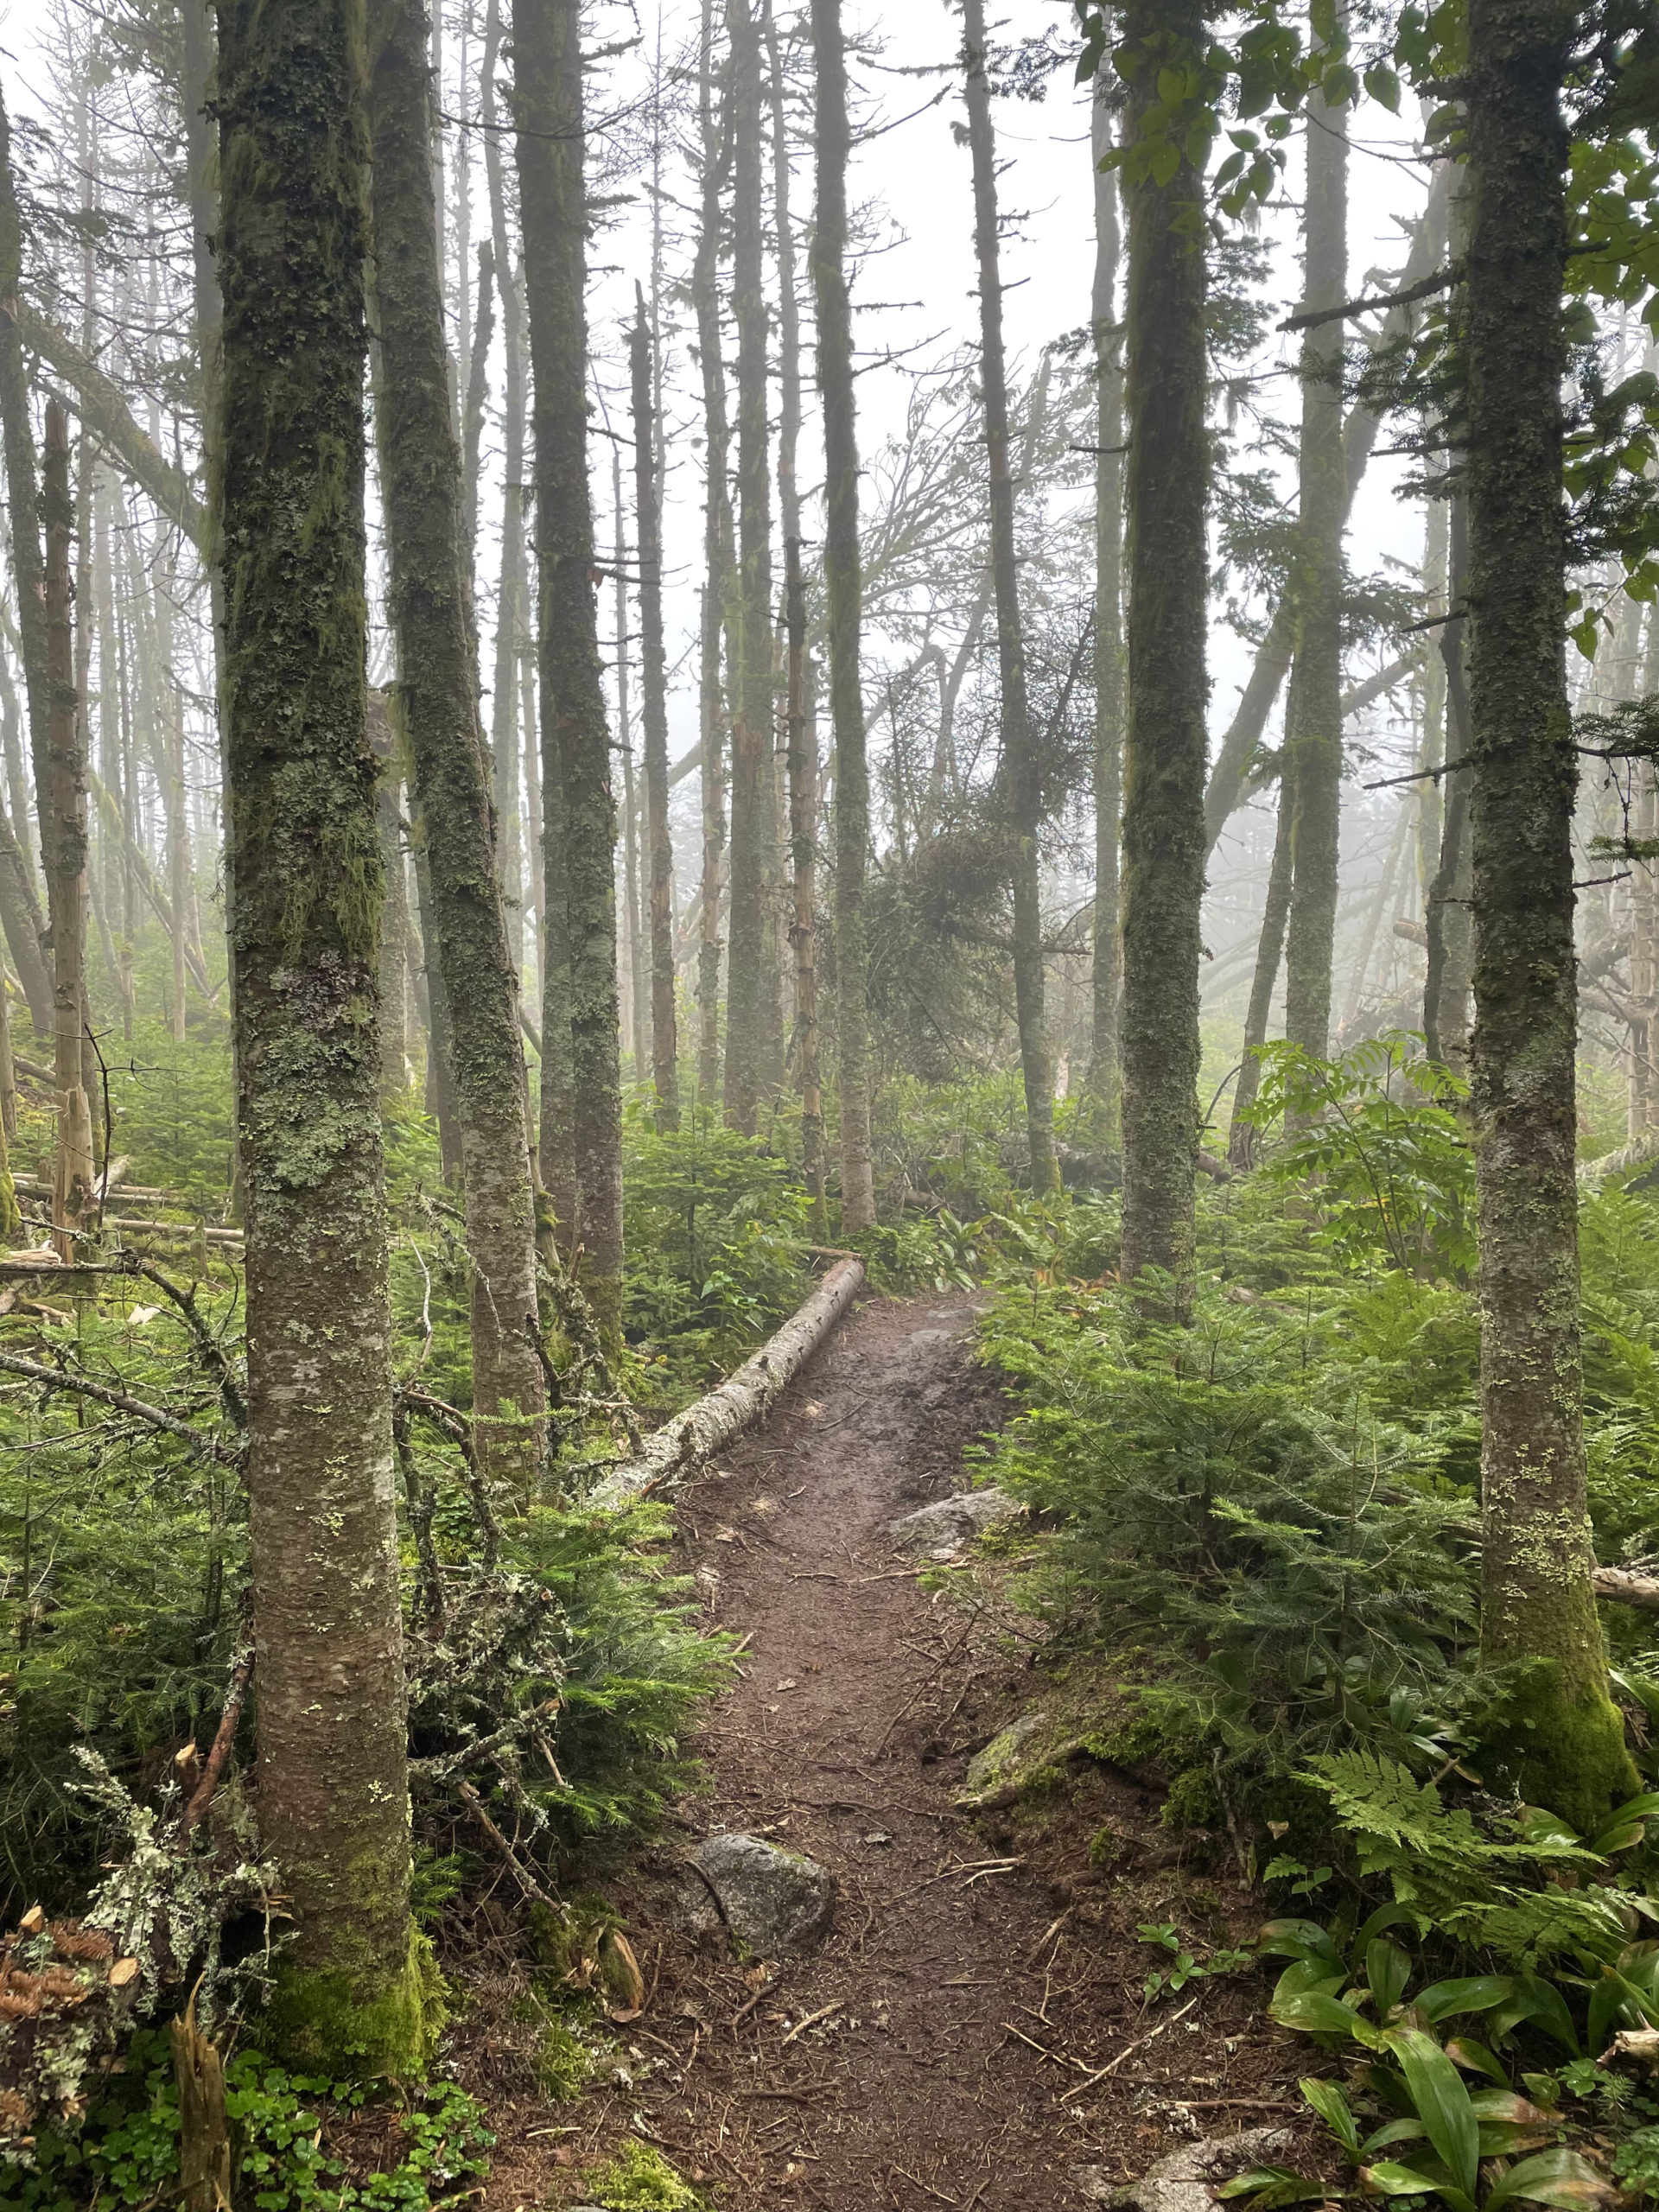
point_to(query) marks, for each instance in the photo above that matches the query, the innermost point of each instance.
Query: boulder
(772, 1900)
(942, 1530)
(1006, 1757)
(1183, 2181)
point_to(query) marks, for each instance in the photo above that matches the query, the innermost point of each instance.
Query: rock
(1182, 2181)
(942, 1530)
(772, 1900)
(1004, 1756)
(930, 1336)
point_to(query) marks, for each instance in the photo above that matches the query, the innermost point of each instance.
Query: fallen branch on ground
(1621, 1587)
(744, 1399)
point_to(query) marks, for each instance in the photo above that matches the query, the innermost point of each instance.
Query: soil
(976, 2025)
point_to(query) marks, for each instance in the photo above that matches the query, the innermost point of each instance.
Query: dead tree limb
(744, 1399)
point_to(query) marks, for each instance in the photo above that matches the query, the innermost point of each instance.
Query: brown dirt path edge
(936, 2049)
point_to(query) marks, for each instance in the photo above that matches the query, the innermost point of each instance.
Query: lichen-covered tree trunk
(448, 767)
(1565, 1747)
(1105, 1081)
(1448, 924)
(1313, 719)
(354, 1993)
(751, 975)
(659, 848)
(1167, 488)
(1270, 950)
(1020, 769)
(578, 815)
(63, 836)
(22, 479)
(636, 1013)
(843, 590)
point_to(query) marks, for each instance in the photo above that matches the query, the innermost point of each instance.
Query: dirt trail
(938, 2048)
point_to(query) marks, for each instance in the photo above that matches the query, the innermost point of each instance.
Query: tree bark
(22, 480)
(1164, 843)
(63, 836)
(1105, 1080)
(1313, 721)
(659, 848)
(636, 1024)
(843, 584)
(423, 495)
(355, 1992)
(718, 615)
(1448, 927)
(750, 979)
(1020, 764)
(512, 623)
(1565, 1746)
(1270, 950)
(580, 833)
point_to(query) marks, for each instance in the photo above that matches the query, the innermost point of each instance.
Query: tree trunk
(1163, 815)
(1448, 926)
(1269, 949)
(636, 1014)
(23, 481)
(1019, 765)
(751, 980)
(580, 832)
(356, 1992)
(1105, 1081)
(659, 848)
(511, 624)
(843, 591)
(63, 834)
(1565, 1747)
(1313, 720)
(423, 493)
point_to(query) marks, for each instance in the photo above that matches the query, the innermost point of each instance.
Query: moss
(324, 2023)
(1567, 1754)
(639, 2179)
(562, 2062)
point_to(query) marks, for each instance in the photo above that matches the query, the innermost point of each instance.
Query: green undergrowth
(639, 2179)
(299, 2143)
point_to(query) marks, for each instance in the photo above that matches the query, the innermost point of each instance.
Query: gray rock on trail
(1184, 2180)
(1004, 1759)
(941, 1530)
(772, 1900)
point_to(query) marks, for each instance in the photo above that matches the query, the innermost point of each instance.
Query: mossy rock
(1026, 1757)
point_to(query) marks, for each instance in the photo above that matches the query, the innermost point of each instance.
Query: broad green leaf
(1472, 2057)
(1299, 1939)
(1559, 2177)
(1546, 2007)
(1386, 2179)
(1328, 2101)
(1442, 2103)
(1383, 86)
(1313, 2013)
(1445, 2000)
(1388, 1970)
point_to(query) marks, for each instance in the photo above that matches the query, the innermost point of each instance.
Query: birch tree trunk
(357, 1991)
(579, 819)
(448, 767)
(1566, 1743)
(1163, 815)
(1020, 766)
(843, 590)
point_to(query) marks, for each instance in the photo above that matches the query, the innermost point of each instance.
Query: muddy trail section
(975, 2031)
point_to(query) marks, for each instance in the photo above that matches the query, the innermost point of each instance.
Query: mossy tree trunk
(1448, 924)
(843, 590)
(1313, 717)
(1105, 1070)
(1566, 1747)
(63, 838)
(751, 978)
(659, 848)
(306, 878)
(448, 767)
(1019, 772)
(578, 814)
(1167, 492)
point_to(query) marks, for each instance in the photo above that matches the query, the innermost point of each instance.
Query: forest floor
(976, 2027)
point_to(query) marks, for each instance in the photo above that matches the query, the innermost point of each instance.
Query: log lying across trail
(740, 1400)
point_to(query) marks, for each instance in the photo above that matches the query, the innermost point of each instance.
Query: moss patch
(639, 2179)
(323, 2023)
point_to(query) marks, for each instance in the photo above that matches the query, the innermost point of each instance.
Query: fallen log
(1621, 1585)
(738, 1403)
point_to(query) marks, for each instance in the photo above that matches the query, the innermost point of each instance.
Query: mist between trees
(562, 767)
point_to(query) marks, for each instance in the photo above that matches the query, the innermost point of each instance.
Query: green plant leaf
(1333, 2107)
(1314, 2013)
(1388, 2179)
(1388, 1970)
(1442, 2102)
(1445, 2000)
(1559, 2177)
